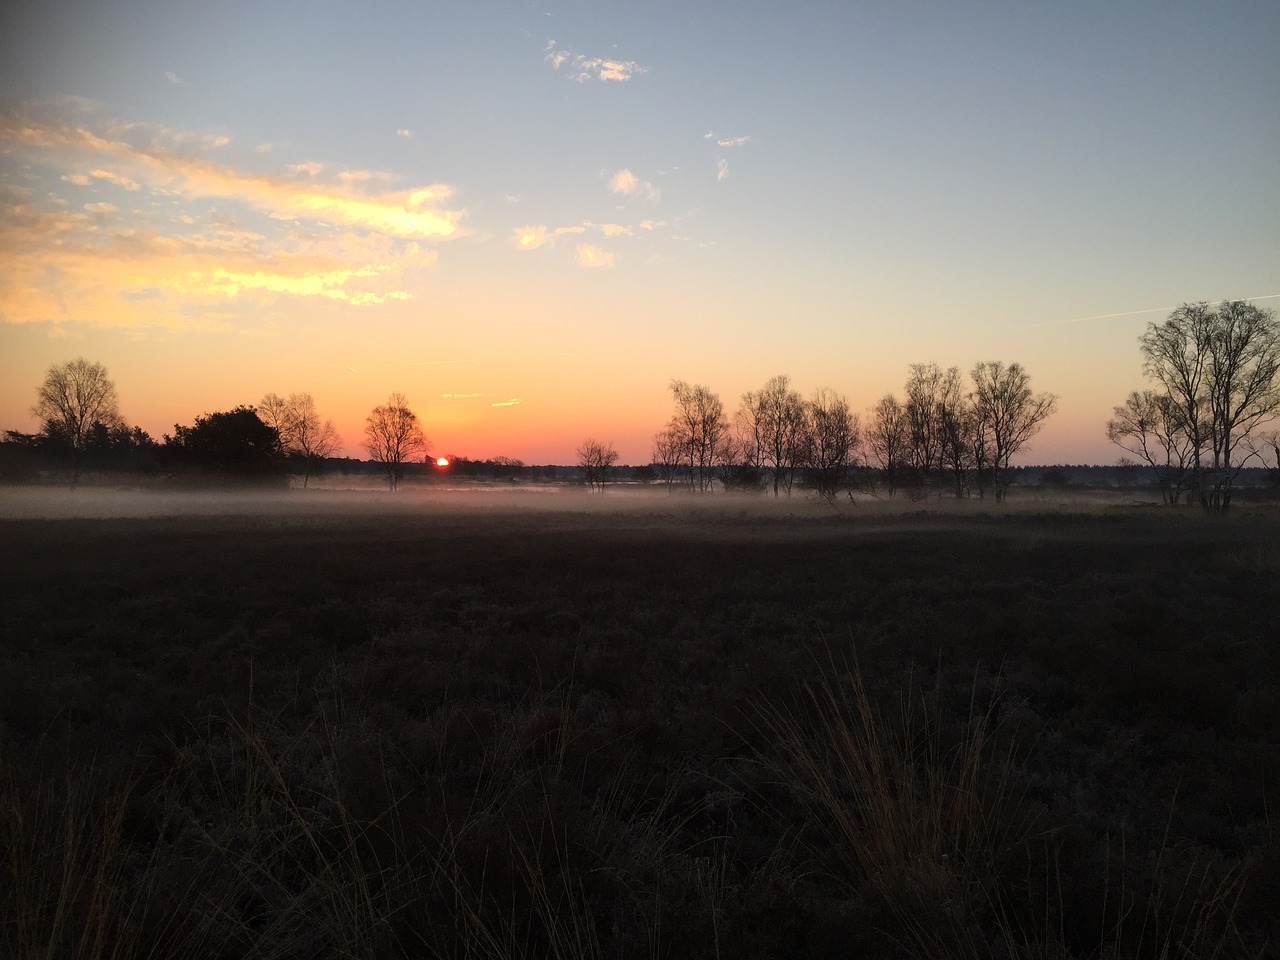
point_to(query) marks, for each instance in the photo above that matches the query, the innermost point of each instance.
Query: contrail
(422, 363)
(1134, 313)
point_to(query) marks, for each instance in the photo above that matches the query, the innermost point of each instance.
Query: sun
(442, 461)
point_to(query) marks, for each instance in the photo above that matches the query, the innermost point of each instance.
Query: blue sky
(573, 204)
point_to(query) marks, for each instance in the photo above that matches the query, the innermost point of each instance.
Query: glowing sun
(442, 461)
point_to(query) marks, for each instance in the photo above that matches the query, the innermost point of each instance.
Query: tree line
(943, 431)
(1215, 371)
(82, 429)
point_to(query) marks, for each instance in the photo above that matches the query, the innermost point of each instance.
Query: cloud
(173, 78)
(332, 237)
(308, 169)
(592, 256)
(582, 69)
(417, 213)
(60, 267)
(514, 401)
(533, 237)
(652, 224)
(724, 143)
(404, 132)
(628, 184)
(264, 148)
(615, 230)
(463, 396)
(115, 178)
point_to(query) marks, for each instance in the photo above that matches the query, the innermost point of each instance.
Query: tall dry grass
(936, 828)
(254, 843)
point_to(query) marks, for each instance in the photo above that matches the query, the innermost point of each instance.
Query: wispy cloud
(404, 132)
(514, 401)
(318, 235)
(592, 256)
(627, 183)
(724, 143)
(533, 237)
(582, 68)
(308, 169)
(539, 235)
(173, 78)
(417, 213)
(88, 266)
(117, 179)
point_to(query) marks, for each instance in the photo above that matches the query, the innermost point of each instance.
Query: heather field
(541, 724)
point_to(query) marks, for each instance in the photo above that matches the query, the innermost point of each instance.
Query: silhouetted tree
(957, 425)
(1008, 414)
(302, 433)
(667, 455)
(73, 397)
(232, 444)
(1219, 368)
(393, 436)
(889, 439)
(771, 425)
(596, 460)
(832, 433)
(700, 428)
(1150, 425)
(924, 388)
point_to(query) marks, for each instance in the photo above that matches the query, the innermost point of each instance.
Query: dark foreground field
(481, 728)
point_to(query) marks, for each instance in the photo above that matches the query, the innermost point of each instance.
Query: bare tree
(924, 390)
(668, 453)
(393, 436)
(273, 410)
(302, 433)
(701, 429)
(772, 426)
(74, 397)
(832, 431)
(1008, 414)
(1150, 425)
(1220, 369)
(889, 439)
(595, 460)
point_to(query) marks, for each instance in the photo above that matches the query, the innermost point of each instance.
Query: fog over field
(29, 502)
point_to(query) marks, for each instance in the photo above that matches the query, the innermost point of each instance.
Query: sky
(529, 218)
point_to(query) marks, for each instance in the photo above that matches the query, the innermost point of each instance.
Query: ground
(538, 723)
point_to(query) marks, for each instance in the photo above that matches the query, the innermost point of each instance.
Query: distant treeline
(129, 454)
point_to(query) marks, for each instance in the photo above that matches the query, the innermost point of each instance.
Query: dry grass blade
(924, 826)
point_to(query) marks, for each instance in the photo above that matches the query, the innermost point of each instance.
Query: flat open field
(541, 724)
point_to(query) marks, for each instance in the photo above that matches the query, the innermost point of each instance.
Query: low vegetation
(477, 728)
